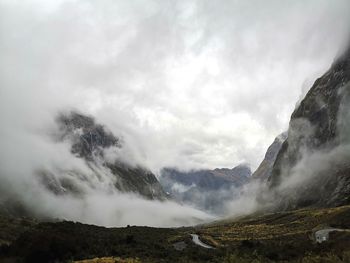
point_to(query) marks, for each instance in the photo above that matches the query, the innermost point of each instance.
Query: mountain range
(205, 189)
(303, 210)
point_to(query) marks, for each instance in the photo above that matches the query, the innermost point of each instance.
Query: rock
(314, 157)
(264, 170)
(205, 189)
(89, 140)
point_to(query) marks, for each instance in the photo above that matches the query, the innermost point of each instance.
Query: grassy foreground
(278, 237)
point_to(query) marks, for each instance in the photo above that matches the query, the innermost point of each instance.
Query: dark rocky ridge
(88, 138)
(88, 141)
(210, 179)
(317, 127)
(205, 189)
(264, 170)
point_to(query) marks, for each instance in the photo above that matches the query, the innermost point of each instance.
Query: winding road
(196, 240)
(323, 234)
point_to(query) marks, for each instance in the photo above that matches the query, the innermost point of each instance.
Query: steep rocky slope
(264, 170)
(90, 141)
(205, 189)
(313, 166)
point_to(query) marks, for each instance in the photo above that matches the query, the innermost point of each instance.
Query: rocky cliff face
(89, 141)
(210, 179)
(313, 166)
(205, 189)
(264, 170)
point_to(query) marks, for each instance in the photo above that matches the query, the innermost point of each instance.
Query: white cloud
(187, 84)
(172, 73)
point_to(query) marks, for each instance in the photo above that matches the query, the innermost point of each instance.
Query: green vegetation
(11, 228)
(109, 260)
(279, 237)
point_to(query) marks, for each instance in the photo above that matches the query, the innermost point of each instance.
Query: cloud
(188, 84)
(94, 198)
(215, 81)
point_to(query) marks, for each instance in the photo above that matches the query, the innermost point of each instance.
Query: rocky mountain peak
(88, 138)
(315, 130)
(263, 172)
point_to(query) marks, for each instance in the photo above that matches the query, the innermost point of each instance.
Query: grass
(276, 226)
(278, 237)
(109, 260)
(11, 228)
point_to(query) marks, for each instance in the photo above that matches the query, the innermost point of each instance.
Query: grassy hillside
(278, 237)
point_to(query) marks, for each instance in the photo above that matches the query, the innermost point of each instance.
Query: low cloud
(194, 84)
(188, 84)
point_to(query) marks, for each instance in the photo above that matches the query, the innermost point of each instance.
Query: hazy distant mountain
(264, 170)
(316, 152)
(89, 141)
(205, 189)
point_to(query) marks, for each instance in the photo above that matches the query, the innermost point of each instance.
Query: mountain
(313, 166)
(264, 170)
(205, 189)
(89, 141)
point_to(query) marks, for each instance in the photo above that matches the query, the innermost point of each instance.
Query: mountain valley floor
(275, 237)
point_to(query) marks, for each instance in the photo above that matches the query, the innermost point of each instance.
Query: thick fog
(314, 167)
(190, 84)
(187, 84)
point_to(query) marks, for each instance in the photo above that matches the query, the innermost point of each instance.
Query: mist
(183, 86)
(316, 164)
(315, 170)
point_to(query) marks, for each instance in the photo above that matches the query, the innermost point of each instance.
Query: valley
(275, 237)
(174, 131)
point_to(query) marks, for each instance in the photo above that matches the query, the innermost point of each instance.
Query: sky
(186, 84)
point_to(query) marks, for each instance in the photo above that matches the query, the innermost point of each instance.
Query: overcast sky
(188, 84)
